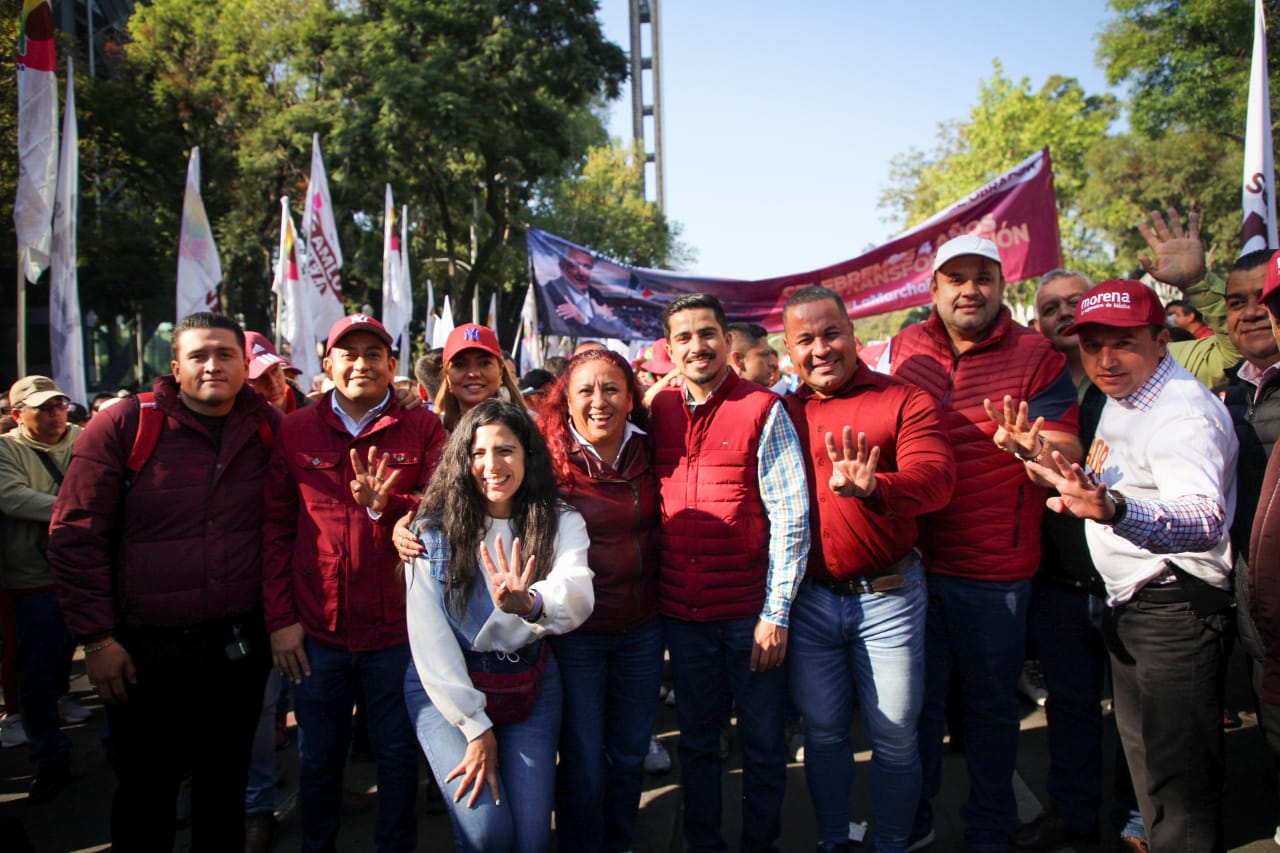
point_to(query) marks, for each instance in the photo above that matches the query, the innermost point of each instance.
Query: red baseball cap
(1117, 302)
(659, 362)
(356, 323)
(263, 355)
(1273, 278)
(471, 336)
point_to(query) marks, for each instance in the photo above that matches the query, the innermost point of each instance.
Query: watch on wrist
(1121, 505)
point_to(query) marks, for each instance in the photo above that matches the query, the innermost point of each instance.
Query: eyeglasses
(61, 404)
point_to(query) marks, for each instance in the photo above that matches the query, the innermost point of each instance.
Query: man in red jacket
(342, 471)
(159, 573)
(857, 624)
(983, 548)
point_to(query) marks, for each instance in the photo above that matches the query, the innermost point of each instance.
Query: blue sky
(780, 119)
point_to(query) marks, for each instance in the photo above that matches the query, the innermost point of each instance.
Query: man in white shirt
(1159, 499)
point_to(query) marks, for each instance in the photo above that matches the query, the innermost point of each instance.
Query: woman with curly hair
(593, 420)
(504, 566)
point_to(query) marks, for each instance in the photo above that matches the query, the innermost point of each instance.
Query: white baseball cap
(965, 244)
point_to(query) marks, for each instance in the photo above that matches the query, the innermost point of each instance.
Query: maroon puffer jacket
(620, 507)
(181, 545)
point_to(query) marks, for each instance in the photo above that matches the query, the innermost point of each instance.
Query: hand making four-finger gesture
(1015, 432)
(1079, 494)
(853, 470)
(507, 583)
(372, 485)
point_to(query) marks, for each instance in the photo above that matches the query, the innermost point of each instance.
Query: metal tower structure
(645, 22)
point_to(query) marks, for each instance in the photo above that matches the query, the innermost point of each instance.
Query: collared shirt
(351, 424)
(1144, 397)
(629, 430)
(582, 301)
(1257, 378)
(783, 491)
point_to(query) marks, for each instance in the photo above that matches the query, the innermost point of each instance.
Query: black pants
(1168, 668)
(193, 709)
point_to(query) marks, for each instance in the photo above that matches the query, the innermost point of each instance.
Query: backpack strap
(150, 424)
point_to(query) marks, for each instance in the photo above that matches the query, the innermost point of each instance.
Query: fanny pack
(510, 681)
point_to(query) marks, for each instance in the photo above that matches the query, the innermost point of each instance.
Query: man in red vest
(735, 524)
(992, 378)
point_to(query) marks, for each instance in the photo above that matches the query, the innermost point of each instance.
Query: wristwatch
(1122, 507)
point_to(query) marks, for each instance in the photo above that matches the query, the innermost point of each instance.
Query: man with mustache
(983, 548)
(735, 540)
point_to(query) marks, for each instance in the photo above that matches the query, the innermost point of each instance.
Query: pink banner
(583, 294)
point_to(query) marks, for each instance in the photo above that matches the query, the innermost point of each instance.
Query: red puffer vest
(619, 503)
(991, 528)
(715, 535)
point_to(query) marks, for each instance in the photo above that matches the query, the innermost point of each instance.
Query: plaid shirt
(1188, 523)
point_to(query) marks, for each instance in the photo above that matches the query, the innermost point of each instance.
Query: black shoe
(49, 782)
(1048, 831)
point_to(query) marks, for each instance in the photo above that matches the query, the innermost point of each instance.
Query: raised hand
(508, 585)
(372, 485)
(1014, 434)
(853, 471)
(1179, 256)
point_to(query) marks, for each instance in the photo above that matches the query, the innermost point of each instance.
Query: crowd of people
(493, 569)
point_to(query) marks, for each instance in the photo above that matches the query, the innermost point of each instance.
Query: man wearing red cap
(267, 370)
(1158, 500)
(342, 471)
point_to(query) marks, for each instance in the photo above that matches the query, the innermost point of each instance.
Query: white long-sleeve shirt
(567, 600)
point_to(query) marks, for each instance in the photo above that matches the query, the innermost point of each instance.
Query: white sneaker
(11, 732)
(1031, 682)
(670, 698)
(795, 740)
(658, 760)
(71, 711)
(1276, 837)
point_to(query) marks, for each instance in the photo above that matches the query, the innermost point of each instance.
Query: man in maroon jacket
(342, 471)
(857, 623)
(159, 572)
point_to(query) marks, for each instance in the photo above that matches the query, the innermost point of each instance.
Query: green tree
(1009, 123)
(603, 207)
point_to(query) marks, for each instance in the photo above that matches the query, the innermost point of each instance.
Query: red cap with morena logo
(1117, 302)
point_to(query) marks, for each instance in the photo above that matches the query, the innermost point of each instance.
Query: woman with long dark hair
(593, 420)
(504, 565)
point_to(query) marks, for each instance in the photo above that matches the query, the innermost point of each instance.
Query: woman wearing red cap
(473, 371)
(593, 421)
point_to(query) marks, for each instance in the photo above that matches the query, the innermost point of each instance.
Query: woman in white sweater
(505, 564)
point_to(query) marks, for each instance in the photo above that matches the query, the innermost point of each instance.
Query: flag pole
(22, 314)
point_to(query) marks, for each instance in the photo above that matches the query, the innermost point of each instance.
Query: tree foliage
(604, 208)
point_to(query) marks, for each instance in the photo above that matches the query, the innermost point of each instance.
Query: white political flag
(199, 271)
(407, 280)
(66, 335)
(324, 257)
(530, 351)
(429, 327)
(36, 63)
(397, 302)
(1258, 195)
(444, 325)
(293, 315)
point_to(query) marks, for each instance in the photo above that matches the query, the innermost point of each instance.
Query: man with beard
(735, 524)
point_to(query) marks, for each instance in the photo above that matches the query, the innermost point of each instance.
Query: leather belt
(1164, 593)
(886, 581)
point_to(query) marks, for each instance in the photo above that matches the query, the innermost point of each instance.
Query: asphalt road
(77, 820)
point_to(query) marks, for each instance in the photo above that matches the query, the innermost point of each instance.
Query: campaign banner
(584, 294)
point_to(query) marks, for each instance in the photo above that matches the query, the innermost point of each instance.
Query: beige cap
(33, 391)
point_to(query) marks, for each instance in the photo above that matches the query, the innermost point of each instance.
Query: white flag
(37, 136)
(429, 327)
(397, 300)
(492, 319)
(66, 336)
(444, 325)
(530, 351)
(199, 271)
(324, 257)
(293, 319)
(1259, 193)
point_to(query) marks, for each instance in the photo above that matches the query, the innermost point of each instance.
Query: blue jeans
(44, 650)
(322, 703)
(526, 769)
(702, 653)
(610, 697)
(873, 644)
(260, 795)
(980, 627)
